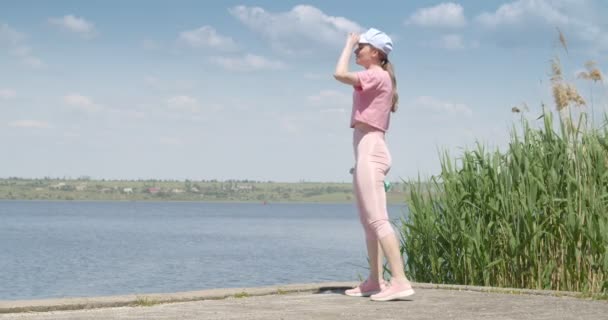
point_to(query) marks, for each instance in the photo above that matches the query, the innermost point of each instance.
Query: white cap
(377, 39)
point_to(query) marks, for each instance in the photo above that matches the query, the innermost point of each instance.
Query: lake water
(74, 249)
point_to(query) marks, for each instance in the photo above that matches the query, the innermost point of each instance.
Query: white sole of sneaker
(395, 296)
(361, 294)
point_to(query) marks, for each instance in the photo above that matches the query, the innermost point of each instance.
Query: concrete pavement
(317, 301)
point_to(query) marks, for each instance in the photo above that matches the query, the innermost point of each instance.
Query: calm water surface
(71, 249)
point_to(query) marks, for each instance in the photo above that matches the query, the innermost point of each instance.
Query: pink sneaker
(394, 291)
(366, 289)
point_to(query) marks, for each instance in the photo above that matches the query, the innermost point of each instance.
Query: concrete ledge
(215, 294)
(553, 293)
(149, 299)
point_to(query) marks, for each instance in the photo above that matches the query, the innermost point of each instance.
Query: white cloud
(521, 11)
(295, 30)
(33, 62)
(183, 102)
(330, 99)
(25, 54)
(449, 15)
(247, 63)
(437, 105)
(81, 102)
(16, 44)
(10, 36)
(75, 24)
(7, 93)
(207, 36)
(540, 17)
(35, 124)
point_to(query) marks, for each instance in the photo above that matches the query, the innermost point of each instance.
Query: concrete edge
(60, 304)
(46, 305)
(553, 293)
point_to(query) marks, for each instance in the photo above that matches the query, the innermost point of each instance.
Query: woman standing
(374, 98)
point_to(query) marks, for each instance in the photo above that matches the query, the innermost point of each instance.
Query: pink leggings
(373, 161)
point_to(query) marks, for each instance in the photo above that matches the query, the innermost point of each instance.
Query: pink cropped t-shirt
(372, 100)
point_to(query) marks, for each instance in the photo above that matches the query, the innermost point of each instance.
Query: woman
(374, 98)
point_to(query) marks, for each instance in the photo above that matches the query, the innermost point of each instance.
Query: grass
(145, 302)
(602, 297)
(242, 295)
(534, 216)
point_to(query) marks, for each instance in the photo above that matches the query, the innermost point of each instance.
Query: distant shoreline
(231, 191)
(195, 201)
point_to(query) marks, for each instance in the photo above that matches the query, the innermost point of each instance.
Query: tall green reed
(535, 216)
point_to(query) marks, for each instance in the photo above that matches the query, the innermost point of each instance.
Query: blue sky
(244, 89)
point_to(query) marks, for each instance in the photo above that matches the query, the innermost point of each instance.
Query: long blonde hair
(388, 67)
